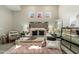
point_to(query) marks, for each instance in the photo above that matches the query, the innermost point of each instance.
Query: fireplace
(34, 33)
(38, 28)
(38, 33)
(41, 32)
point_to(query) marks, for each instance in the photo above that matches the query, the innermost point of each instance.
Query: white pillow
(53, 44)
(24, 38)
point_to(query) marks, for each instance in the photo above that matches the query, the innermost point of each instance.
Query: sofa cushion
(53, 44)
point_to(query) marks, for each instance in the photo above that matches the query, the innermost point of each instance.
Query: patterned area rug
(25, 50)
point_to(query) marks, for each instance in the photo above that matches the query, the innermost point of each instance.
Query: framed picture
(47, 14)
(39, 15)
(73, 21)
(31, 15)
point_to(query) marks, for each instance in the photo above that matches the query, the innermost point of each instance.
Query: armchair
(13, 35)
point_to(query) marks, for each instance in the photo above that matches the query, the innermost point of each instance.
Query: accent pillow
(44, 44)
(53, 44)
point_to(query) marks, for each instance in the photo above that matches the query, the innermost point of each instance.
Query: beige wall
(21, 17)
(10, 20)
(67, 12)
(5, 20)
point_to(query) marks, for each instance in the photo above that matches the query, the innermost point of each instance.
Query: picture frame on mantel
(31, 15)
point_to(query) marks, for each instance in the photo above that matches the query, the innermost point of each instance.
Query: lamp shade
(25, 27)
(50, 28)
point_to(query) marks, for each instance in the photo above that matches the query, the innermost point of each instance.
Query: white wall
(5, 20)
(21, 17)
(67, 12)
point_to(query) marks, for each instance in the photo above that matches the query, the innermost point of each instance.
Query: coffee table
(29, 40)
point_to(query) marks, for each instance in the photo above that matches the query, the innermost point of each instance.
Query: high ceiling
(14, 7)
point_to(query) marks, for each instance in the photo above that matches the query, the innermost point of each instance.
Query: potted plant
(22, 34)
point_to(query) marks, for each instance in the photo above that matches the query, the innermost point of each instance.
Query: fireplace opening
(38, 33)
(34, 33)
(41, 32)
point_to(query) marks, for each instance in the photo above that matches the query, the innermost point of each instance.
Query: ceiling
(14, 7)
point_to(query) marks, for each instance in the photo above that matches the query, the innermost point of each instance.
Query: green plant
(23, 33)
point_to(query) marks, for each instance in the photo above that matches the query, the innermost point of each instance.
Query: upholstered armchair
(13, 35)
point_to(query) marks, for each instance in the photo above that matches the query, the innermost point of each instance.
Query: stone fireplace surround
(38, 28)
